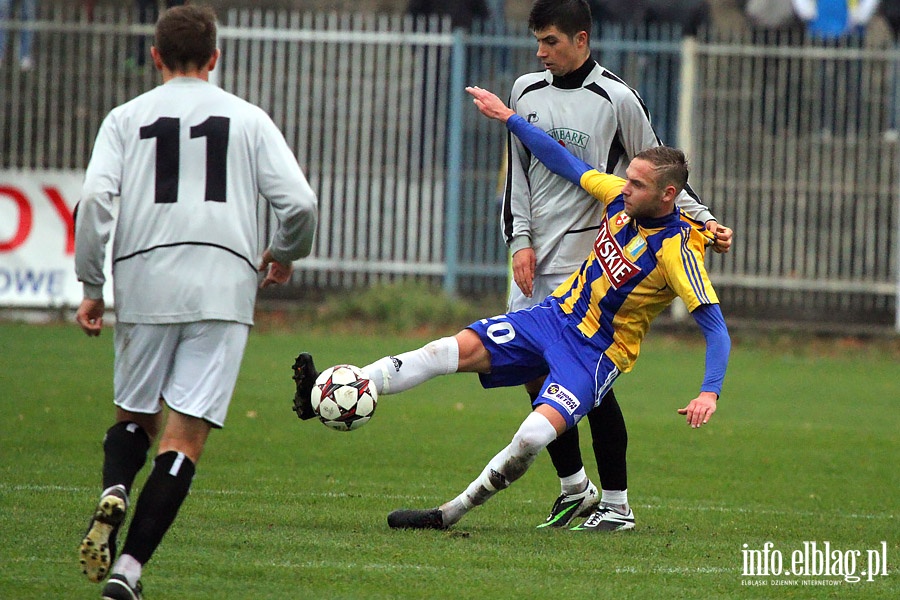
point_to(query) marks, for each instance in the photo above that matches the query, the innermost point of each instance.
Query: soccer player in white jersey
(186, 164)
(550, 225)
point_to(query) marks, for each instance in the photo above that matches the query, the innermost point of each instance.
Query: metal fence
(792, 144)
(796, 144)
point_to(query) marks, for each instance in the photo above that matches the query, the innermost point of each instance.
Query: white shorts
(191, 366)
(544, 285)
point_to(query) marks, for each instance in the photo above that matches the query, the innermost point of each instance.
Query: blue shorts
(527, 344)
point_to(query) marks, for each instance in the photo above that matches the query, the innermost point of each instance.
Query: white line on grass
(348, 566)
(381, 567)
(405, 497)
(675, 570)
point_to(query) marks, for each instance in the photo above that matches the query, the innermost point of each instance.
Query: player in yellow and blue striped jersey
(586, 332)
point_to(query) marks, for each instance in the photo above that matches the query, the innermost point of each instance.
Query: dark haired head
(186, 37)
(568, 16)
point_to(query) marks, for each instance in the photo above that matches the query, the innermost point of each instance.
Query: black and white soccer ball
(344, 398)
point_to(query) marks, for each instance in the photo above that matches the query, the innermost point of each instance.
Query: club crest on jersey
(617, 267)
(561, 396)
(622, 219)
(568, 137)
(635, 246)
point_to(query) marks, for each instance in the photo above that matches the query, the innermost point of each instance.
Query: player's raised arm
(489, 104)
(545, 148)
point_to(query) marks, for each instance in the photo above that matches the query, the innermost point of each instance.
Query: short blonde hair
(669, 164)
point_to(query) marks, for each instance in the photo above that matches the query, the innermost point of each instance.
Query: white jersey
(187, 163)
(599, 119)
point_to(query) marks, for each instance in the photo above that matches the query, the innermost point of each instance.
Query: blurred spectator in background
(835, 19)
(88, 6)
(147, 14)
(462, 13)
(770, 15)
(618, 12)
(690, 15)
(27, 12)
(890, 10)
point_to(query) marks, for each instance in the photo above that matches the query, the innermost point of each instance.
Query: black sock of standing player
(162, 496)
(125, 449)
(610, 442)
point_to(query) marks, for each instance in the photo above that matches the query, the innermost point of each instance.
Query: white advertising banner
(37, 239)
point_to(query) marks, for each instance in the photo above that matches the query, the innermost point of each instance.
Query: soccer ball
(343, 397)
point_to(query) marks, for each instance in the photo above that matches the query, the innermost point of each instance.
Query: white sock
(393, 374)
(128, 566)
(111, 488)
(507, 466)
(574, 484)
(478, 492)
(618, 498)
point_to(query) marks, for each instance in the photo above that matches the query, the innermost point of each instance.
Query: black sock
(162, 496)
(565, 453)
(610, 442)
(124, 454)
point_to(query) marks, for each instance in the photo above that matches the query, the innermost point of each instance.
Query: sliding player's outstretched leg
(304, 378)
(413, 518)
(390, 375)
(506, 467)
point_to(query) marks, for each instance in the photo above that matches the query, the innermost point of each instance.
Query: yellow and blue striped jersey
(633, 272)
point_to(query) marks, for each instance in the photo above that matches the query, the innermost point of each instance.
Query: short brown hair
(186, 37)
(669, 164)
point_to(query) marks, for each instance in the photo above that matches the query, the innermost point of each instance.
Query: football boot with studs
(98, 548)
(304, 377)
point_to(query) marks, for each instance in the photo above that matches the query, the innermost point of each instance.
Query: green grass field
(805, 447)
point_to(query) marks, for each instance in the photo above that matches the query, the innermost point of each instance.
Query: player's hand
(523, 265)
(276, 272)
(700, 409)
(90, 316)
(723, 235)
(489, 104)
